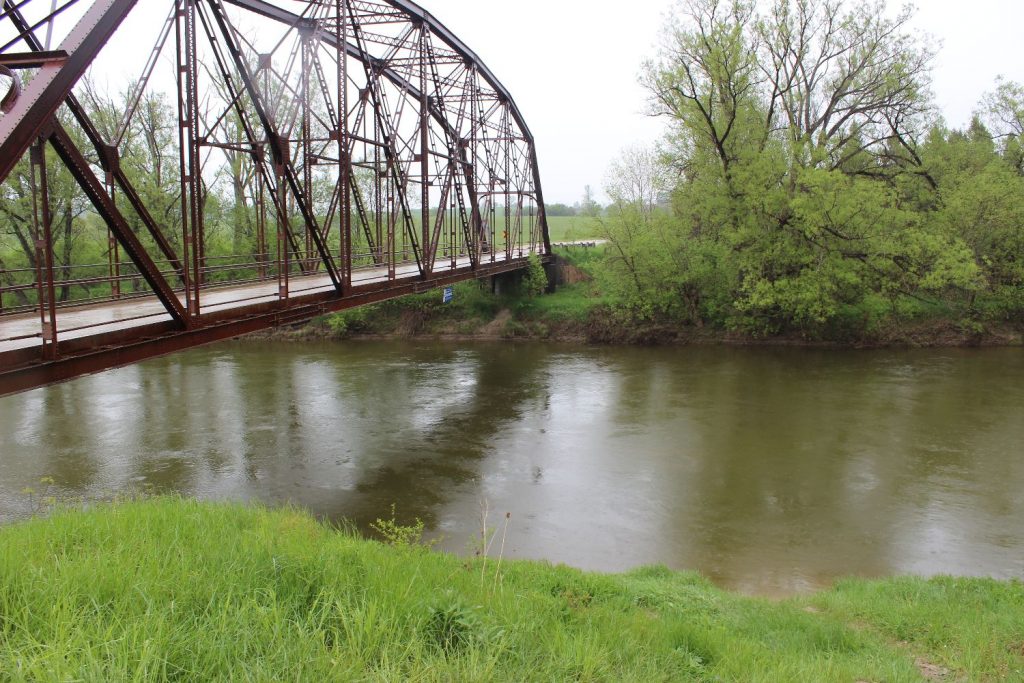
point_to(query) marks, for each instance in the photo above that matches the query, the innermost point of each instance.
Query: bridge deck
(23, 330)
(98, 336)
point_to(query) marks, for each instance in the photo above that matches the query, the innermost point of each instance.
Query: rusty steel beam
(278, 149)
(270, 11)
(43, 95)
(32, 60)
(107, 154)
(354, 49)
(93, 188)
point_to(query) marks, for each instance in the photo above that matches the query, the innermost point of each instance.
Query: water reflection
(770, 470)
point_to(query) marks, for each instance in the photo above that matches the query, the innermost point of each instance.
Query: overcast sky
(572, 66)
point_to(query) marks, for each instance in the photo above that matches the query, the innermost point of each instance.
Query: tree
(639, 177)
(706, 78)
(979, 202)
(69, 210)
(802, 189)
(1003, 111)
(559, 210)
(535, 282)
(844, 83)
(589, 206)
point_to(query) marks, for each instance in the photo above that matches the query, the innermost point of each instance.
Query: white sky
(572, 67)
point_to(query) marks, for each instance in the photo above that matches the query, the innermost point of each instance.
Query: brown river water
(771, 471)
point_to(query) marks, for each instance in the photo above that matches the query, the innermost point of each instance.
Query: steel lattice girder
(45, 92)
(361, 121)
(418, 14)
(34, 108)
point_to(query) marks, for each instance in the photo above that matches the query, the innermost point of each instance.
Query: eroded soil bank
(602, 326)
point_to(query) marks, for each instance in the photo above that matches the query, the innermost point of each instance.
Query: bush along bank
(167, 589)
(580, 309)
(524, 308)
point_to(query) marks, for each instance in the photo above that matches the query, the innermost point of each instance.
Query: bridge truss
(267, 162)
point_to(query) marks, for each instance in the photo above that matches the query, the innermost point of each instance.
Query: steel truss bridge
(355, 150)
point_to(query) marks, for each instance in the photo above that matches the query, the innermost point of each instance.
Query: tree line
(807, 183)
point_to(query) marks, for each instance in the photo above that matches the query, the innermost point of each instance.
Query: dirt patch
(571, 275)
(410, 323)
(493, 329)
(311, 331)
(931, 672)
(943, 333)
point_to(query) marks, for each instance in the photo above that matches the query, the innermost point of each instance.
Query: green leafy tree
(1003, 111)
(802, 196)
(535, 282)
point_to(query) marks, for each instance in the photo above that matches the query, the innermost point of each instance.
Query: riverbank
(579, 313)
(175, 589)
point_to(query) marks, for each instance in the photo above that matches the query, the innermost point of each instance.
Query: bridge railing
(87, 284)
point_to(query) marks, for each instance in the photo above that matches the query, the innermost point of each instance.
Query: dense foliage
(807, 185)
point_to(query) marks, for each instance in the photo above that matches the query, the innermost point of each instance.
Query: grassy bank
(572, 312)
(172, 589)
(583, 312)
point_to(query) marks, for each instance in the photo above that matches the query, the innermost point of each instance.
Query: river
(773, 471)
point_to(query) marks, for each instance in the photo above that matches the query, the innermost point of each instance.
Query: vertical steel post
(506, 130)
(392, 216)
(306, 151)
(263, 254)
(426, 252)
(113, 255)
(113, 265)
(184, 42)
(198, 232)
(453, 232)
(384, 235)
(397, 193)
(283, 264)
(477, 217)
(538, 221)
(344, 156)
(41, 221)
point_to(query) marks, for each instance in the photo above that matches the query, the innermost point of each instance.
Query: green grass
(571, 228)
(567, 303)
(587, 258)
(472, 307)
(170, 589)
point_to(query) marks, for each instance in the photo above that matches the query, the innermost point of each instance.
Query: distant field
(562, 228)
(569, 228)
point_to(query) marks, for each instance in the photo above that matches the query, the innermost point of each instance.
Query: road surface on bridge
(23, 330)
